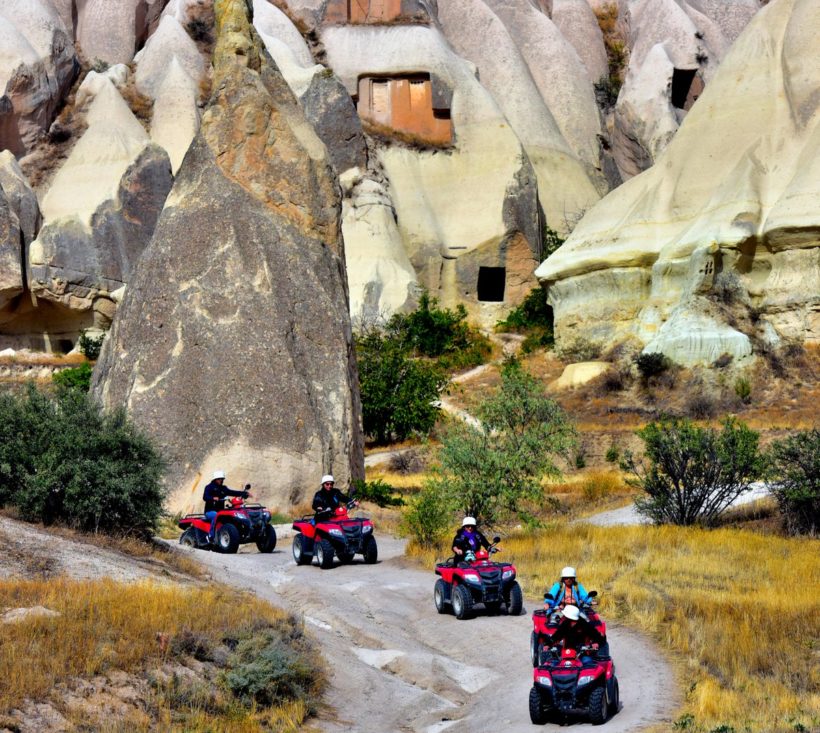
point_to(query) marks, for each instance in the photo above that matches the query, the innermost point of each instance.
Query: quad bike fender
(307, 529)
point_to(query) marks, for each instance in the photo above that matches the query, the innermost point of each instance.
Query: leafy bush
(90, 346)
(63, 458)
(493, 471)
(580, 350)
(74, 378)
(795, 476)
(399, 394)
(533, 317)
(694, 473)
(743, 389)
(429, 515)
(552, 241)
(613, 453)
(651, 365)
(379, 492)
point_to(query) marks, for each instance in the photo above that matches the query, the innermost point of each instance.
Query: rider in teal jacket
(566, 591)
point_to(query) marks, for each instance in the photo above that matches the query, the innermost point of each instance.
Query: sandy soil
(395, 665)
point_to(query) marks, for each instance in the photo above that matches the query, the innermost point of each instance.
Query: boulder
(723, 229)
(154, 61)
(579, 374)
(243, 359)
(37, 66)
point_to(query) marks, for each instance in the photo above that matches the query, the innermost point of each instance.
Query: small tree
(428, 516)
(399, 394)
(694, 473)
(795, 477)
(492, 471)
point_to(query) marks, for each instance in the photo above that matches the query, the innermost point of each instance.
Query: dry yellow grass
(105, 626)
(741, 612)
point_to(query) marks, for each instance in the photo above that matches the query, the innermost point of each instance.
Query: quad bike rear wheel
(267, 542)
(345, 557)
(299, 555)
(227, 539)
(535, 649)
(515, 600)
(188, 538)
(598, 708)
(371, 550)
(538, 711)
(462, 602)
(440, 596)
(324, 553)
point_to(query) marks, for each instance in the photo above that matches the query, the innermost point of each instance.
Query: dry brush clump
(741, 609)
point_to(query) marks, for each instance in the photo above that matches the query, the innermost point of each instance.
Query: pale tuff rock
(19, 220)
(37, 66)
(112, 31)
(462, 209)
(479, 36)
(218, 350)
(732, 199)
(11, 272)
(578, 24)
(169, 42)
(579, 374)
(380, 276)
(21, 197)
(175, 118)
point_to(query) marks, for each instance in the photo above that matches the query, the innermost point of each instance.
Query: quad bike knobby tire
(188, 538)
(439, 596)
(462, 602)
(267, 542)
(345, 557)
(324, 553)
(299, 554)
(371, 550)
(615, 698)
(598, 707)
(535, 649)
(515, 600)
(227, 539)
(538, 711)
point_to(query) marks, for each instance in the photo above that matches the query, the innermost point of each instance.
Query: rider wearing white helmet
(468, 538)
(328, 497)
(576, 632)
(566, 592)
(214, 498)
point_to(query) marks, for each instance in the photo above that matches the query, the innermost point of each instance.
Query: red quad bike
(477, 580)
(334, 533)
(566, 682)
(237, 524)
(544, 626)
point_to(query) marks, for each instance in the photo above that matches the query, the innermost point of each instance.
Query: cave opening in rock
(686, 88)
(491, 282)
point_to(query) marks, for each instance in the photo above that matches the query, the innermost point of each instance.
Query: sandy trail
(395, 665)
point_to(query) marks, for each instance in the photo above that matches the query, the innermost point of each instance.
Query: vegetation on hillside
(198, 659)
(534, 319)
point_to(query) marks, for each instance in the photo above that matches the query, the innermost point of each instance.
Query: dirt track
(396, 665)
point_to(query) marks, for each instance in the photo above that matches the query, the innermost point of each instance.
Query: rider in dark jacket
(328, 498)
(214, 498)
(575, 631)
(469, 539)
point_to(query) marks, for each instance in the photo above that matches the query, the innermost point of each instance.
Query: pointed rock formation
(233, 346)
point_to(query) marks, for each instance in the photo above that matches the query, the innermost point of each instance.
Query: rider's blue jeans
(212, 517)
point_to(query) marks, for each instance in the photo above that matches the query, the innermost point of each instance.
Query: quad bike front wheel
(614, 697)
(440, 595)
(598, 707)
(535, 649)
(515, 600)
(462, 602)
(345, 557)
(538, 711)
(267, 542)
(324, 553)
(371, 550)
(299, 555)
(227, 539)
(188, 538)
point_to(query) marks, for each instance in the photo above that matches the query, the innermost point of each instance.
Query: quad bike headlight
(472, 577)
(585, 679)
(507, 574)
(367, 528)
(337, 532)
(266, 515)
(545, 680)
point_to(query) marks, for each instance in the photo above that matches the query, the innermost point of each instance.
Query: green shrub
(580, 350)
(795, 480)
(743, 390)
(378, 492)
(613, 453)
(429, 515)
(694, 473)
(78, 378)
(63, 458)
(533, 313)
(430, 330)
(90, 346)
(651, 365)
(552, 241)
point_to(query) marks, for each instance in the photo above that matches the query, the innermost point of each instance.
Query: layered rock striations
(233, 344)
(716, 248)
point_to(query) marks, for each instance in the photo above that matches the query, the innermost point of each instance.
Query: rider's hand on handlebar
(458, 551)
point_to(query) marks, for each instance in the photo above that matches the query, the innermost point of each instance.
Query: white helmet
(568, 572)
(327, 478)
(218, 474)
(571, 612)
(467, 521)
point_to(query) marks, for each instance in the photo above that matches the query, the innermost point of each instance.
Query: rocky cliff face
(716, 248)
(233, 343)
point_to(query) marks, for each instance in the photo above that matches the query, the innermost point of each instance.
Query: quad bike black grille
(564, 690)
(353, 535)
(491, 582)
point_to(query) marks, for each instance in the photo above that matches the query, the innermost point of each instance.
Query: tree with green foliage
(62, 458)
(493, 471)
(694, 474)
(399, 394)
(78, 378)
(795, 480)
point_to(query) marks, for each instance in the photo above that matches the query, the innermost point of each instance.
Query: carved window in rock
(687, 86)
(405, 105)
(491, 282)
